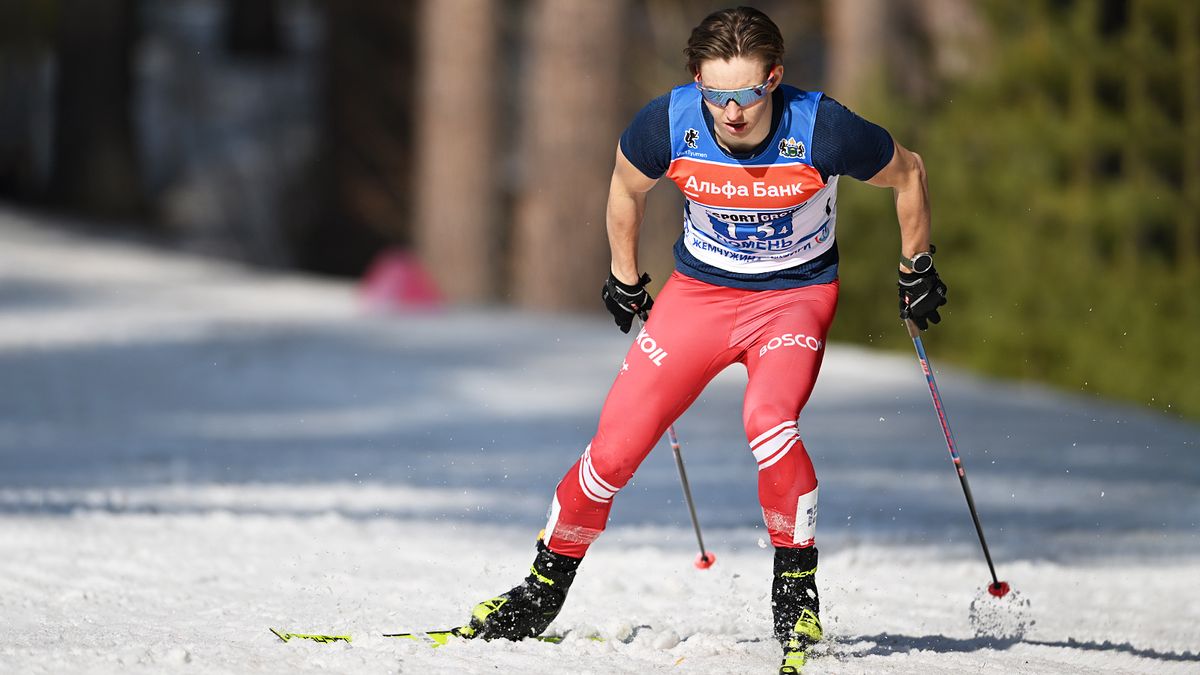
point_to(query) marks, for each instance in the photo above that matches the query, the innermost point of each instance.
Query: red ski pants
(695, 331)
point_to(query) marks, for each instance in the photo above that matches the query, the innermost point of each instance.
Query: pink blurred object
(397, 280)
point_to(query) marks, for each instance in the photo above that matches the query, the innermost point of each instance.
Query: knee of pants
(760, 418)
(616, 453)
(772, 433)
(610, 466)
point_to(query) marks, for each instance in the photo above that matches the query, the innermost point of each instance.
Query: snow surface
(192, 452)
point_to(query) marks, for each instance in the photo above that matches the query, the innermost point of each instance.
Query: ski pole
(997, 588)
(706, 559)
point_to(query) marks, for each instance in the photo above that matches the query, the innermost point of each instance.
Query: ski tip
(999, 589)
(323, 639)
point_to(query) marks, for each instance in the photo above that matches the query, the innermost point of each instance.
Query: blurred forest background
(1062, 139)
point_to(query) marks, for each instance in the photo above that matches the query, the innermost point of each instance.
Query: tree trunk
(857, 32)
(456, 195)
(95, 166)
(569, 136)
(252, 28)
(367, 135)
(877, 46)
(957, 34)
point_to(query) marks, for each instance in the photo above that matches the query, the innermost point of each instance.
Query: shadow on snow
(886, 644)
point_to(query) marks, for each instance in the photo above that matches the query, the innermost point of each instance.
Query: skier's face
(740, 127)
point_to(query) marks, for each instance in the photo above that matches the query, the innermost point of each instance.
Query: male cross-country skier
(756, 283)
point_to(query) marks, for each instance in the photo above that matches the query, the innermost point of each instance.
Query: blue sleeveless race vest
(746, 220)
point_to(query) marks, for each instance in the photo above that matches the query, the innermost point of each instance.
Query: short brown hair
(728, 33)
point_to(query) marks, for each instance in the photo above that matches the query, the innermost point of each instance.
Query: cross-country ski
(315, 637)
(439, 638)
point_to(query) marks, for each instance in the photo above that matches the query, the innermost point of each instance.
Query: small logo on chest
(690, 137)
(790, 147)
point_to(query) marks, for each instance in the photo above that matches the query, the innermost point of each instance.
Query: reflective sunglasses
(743, 97)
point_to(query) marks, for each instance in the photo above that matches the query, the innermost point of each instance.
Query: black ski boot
(526, 610)
(795, 605)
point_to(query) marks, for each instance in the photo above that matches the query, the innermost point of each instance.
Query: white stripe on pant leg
(586, 488)
(552, 522)
(779, 455)
(771, 432)
(806, 519)
(592, 485)
(773, 445)
(587, 460)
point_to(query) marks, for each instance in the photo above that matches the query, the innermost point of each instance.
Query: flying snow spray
(1000, 617)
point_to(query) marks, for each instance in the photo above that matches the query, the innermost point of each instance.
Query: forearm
(905, 174)
(912, 210)
(627, 207)
(921, 292)
(624, 219)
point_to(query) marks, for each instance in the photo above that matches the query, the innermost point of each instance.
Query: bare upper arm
(904, 167)
(629, 178)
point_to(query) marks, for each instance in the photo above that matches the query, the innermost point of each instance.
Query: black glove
(921, 293)
(624, 301)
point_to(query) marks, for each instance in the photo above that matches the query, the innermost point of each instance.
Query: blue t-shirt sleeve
(845, 144)
(646, 142)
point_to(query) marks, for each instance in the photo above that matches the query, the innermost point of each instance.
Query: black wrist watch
(921, 262)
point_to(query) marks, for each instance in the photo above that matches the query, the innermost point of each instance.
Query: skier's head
(735, 56)
(738, 32)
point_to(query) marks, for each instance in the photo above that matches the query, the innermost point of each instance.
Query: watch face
(922, 263)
